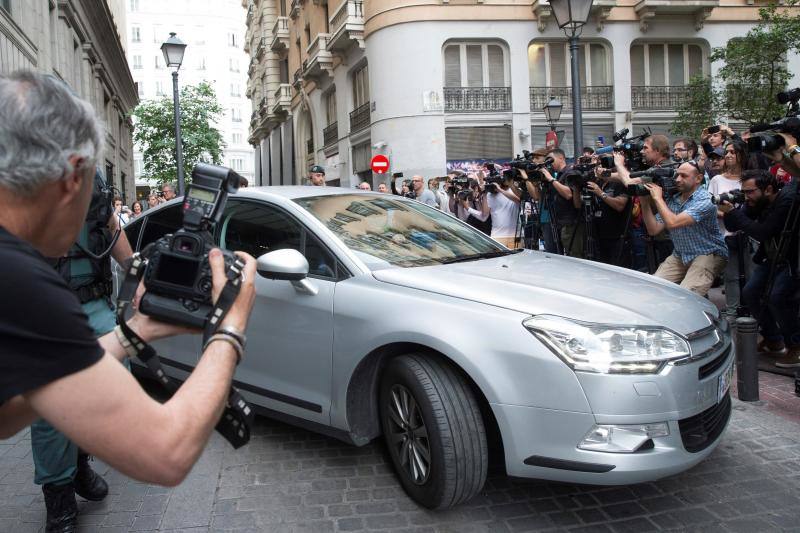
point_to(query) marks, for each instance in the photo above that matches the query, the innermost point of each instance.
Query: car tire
(434, 431)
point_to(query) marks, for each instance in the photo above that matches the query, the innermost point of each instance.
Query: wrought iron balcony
(359, 118)
(280, 34)
(297, 78)
(262, 106)
(347, 25)
(476, 99)
(659, 98)
(261, 48)
(319, 59)
(294, 10)
(330, 134)
(283, 99)
(310, 146)
(250, 11)
(596, 98)
(252, 68)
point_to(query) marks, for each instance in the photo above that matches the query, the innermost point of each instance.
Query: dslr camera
(664, 177)
(177, 276)
(735, 197)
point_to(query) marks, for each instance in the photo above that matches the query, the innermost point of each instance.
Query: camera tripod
(524, 221)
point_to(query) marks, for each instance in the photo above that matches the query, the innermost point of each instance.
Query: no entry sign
(380, 164)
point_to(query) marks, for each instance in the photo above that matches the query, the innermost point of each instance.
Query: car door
(179, 354)
(287, 365)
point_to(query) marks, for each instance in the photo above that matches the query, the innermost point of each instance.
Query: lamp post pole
(577, 116)
(173, 50)
(178, 143)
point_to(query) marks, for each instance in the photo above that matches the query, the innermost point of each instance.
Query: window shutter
(536, 65)
(474, 66)
(637, 65)
(452, 66)
(558, 75)
(362, 154)
(465, 144)
(676, 76)
(497, 75)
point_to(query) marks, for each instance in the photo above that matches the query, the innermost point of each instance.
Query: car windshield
(388, 231)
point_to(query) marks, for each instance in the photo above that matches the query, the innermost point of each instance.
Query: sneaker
(765, 346)
(62, 509)
(790, 360)
(88, 483)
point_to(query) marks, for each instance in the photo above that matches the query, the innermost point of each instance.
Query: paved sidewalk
(291, 480)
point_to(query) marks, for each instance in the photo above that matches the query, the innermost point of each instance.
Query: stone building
(438, 82)
(79, 42)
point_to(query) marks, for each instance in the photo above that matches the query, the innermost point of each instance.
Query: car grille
(700, 431)
(711, 367)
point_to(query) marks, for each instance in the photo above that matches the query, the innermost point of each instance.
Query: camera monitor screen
(201, 194)
(177, 270)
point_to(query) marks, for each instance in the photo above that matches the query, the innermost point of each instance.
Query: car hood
(541, 283)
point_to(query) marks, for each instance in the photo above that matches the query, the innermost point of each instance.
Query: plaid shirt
(701, 238)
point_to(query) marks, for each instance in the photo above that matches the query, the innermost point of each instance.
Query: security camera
(378, 145)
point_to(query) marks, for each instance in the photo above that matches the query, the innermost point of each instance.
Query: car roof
(293, 192)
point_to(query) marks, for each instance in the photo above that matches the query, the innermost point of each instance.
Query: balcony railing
(294, 10)
(283, 99)
(261, 47)
(309, 146)
(280, 34)
(476, 99)
(297, 77)
(330, 134)
(596, 98)
(359, 118)
(659, 98)
(347, 24)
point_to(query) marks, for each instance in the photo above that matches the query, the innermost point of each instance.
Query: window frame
(585, 44)
(341, 273)
(705, 65)
(136, 34)
(361, 86)
(484, 44)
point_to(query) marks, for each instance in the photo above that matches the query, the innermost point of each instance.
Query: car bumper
(543, 443)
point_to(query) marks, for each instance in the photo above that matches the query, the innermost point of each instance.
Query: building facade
(79, 42)
(213, 31)
(437, 83)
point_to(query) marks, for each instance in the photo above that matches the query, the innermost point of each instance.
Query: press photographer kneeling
(763, 218)
(699, 253)
(51, 366)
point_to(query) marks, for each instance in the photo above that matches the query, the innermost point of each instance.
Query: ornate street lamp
(571, 16)
(552, 112)
(173, 49)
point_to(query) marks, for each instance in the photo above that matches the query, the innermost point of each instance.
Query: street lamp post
(173, 49)
(571, 16)
(552, 112)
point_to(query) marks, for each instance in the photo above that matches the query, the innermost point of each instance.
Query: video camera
(457, 183)
(630, 147)
(177, 276)
(735, 197)
(766, 137)
(663, 176)
(532, 169)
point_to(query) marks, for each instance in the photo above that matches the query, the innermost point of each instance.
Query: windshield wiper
(484, 255)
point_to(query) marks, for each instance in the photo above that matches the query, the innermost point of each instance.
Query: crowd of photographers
(721, 210)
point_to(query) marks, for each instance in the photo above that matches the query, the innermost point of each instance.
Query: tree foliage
(753, 70)
(154, 132)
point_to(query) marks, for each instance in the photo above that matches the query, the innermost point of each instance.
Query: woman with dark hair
(137, 209)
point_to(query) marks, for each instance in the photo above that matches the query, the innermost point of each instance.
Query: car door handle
(305, 287)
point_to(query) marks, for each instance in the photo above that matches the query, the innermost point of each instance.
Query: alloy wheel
(408, 435)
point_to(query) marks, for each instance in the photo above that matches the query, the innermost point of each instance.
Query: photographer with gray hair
(51, 365)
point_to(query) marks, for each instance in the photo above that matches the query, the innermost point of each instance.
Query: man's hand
(595, 188)
(726, 207)
(619, 159)
(523, 175)
(655, 191)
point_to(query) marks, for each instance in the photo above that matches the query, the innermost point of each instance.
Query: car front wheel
(433, 428)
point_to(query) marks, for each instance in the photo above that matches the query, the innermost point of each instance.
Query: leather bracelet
(126, 343)
(230, 340)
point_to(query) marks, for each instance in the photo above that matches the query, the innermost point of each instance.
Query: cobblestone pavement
(288, 479)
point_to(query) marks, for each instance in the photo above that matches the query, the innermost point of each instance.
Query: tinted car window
(158, 224)
(132, 231)
(258, 229)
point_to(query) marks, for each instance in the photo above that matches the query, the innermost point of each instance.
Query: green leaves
(753, 71)
(154, 132)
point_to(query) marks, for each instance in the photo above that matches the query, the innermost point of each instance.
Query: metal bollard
(747, 358)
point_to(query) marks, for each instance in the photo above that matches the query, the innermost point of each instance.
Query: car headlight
(608, 349)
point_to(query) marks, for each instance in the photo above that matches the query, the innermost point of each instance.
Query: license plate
(724, 382)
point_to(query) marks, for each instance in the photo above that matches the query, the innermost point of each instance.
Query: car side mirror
(287, 264)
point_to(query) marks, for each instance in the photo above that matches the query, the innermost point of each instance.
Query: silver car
(410, 324)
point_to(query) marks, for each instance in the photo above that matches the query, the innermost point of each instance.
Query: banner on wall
(473, 165)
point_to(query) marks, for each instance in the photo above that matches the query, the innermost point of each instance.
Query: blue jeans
(639, 248)
(778, 320)
(55, 457)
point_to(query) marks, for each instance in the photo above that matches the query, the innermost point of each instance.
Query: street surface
(292, 480)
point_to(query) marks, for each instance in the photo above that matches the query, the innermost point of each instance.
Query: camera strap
(237, 418)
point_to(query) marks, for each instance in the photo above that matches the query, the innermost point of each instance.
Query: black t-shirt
(608, 222)
(565, 211)
(44, 333)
